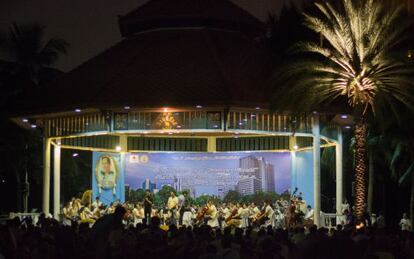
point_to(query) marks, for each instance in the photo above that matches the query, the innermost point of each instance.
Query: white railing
(21, 216)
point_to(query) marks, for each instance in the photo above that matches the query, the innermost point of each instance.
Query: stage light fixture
(78, 110)
(127, 107)
(257, 108)
(347, 127)
(25, 120)
(75, 154)
(118, 148)
(295, 147)
(344, 116)
(199, 106)
(33, 126)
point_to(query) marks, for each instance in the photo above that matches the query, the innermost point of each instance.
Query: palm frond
(358, 60)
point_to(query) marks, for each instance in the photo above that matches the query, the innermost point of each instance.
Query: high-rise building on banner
(249, 167)
(248, 185)
(270, 174)
(177, 184)
(148, 185)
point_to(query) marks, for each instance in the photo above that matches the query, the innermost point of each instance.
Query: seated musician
(267, 215)
(212, 215)
(138, 213)
(309, 216)
(234, 218)
(254, 211)
(222, 210)
(86, 216)
(244, 213)
(67, 214)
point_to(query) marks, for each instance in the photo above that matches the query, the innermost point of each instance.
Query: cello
(232, 215)
(202, 214)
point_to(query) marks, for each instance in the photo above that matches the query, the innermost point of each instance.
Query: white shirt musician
(172, 202)
(172, 205)
(138, 213)
(269, 212)
(244, 215)
(212, 213)
(97, 203)
(309, 213)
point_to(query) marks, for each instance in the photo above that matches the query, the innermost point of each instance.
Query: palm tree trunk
(360, 167)
(370, 181)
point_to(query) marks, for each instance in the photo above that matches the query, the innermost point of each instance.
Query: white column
(316, 169)
(294, 172)
(46, 175)
(56, 182)
(339, 171)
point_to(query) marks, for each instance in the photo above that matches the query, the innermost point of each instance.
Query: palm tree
(31, 53)
(356, 66)
(27, 46)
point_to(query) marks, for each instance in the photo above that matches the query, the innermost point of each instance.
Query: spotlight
(127, 107)
(295, 147)
(33, 126)
(344, 116)
(78, 110)
(199, 106)
(165, 109)
(257, 108)
(118, 148)
(75, 154)
(347, 127)
(25, 120)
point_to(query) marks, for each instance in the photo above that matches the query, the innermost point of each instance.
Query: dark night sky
(90, 26)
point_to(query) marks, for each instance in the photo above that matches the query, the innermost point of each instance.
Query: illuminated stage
(194, 86)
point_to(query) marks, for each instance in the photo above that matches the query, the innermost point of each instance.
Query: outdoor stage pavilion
(188, 76)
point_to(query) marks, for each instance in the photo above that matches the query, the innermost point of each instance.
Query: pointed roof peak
(162, 14)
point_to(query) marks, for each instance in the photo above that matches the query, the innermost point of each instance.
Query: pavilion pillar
(56, 182)
(316, 169)
(46, 175)
(292, 144)
(339, 173)
(211, 144)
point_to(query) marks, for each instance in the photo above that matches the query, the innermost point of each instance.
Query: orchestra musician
(182, 206)
(148, 201)
(172, 205)
(224, 212)
(234, 218)
(266, 216)
(308, 220)
(212, 215)
(138, 214)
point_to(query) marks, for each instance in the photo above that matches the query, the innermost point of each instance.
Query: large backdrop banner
(210, 173)
(108, 177)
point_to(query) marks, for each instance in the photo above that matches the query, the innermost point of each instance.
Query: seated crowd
(110, 237)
